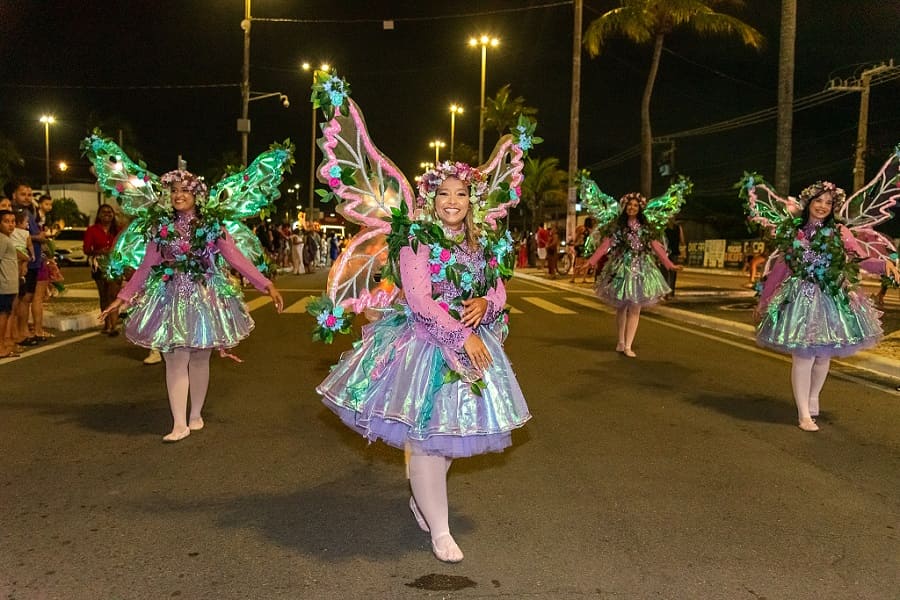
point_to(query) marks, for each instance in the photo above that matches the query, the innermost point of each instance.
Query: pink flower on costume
(493, 262)
(164, 231)
(334, 182)
(120, 187)
(435, 269)
(444, 306)
(330, 321)
(184, 247)
(800, 234)
(445, 255)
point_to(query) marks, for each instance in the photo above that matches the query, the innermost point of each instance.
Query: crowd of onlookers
(27, 267)
(302, 250)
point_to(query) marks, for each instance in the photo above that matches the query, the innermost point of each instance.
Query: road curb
(867, 360)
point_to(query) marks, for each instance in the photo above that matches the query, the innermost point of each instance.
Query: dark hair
(45, 197)
(11, 186)
(588, 222)
(114, 226)
(829, 220)
(623, 217)
(5, 212)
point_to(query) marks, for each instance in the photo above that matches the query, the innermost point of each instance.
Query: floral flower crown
(192, 183)
(624, 200)
(432, 179)
(820, 187)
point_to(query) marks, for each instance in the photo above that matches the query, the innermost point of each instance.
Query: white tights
(627, 318)
(807, 378)
(428, 480)
(186, 371)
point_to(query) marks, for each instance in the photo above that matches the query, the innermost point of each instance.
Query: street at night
(679, 474)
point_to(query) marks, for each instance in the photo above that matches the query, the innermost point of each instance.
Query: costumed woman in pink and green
(430, 374)
(182, 241)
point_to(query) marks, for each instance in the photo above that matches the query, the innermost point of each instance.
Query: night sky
(86, 62)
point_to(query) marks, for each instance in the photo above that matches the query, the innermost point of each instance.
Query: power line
(417, 19)
(41, 86)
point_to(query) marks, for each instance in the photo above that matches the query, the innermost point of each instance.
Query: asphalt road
(679, 474)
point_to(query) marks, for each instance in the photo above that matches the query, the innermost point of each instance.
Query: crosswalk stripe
(299, 306)
(548, 306)
(258, 302)
(513, 310)
(589, 303)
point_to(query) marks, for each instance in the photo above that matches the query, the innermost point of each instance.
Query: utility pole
(785, 127)
(574, 112)
(243, 124)
(861, 85)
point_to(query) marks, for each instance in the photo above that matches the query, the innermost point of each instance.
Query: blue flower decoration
(334, 171)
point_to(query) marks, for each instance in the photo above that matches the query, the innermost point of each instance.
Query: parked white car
(68, 246)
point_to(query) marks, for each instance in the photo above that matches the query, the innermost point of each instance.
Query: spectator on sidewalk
(20, 194)
(541, 237)
(42, 286)
(9, 280)
(99, 240)
(580, 265)
(552, 251)
(673, 236)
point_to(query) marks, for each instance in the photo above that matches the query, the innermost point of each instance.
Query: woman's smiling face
(451, 203)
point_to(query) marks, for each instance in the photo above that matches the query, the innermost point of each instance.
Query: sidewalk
(883, 360)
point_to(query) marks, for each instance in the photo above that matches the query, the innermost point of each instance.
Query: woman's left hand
(474, 310)
(272, 291)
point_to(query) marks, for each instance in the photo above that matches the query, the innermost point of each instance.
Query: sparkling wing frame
(244, 194)
(138, 193)
(370, 187)
(764, 206)
(660, 209)
(870, 206)
(503, 173)
(603, 207)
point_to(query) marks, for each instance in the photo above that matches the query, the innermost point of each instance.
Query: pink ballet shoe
(177, 436)
(196, 424)
(808, 425)
(620, 347)
(445, 549)
(629, 353)
(423, 524)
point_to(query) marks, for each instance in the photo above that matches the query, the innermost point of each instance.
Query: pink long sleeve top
(607, 242)
(431, 296)
(224, 245)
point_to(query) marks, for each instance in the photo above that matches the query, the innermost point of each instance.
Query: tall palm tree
(545, 187)
(646, 21)
(785, 96)
(502, 112)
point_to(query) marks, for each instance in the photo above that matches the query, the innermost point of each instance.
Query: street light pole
(484, 41)
(312, 147)
(243, 125)
(47, 120)
(455, 109)
(63, 167)
(437, 145)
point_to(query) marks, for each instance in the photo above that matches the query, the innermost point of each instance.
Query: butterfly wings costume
(408, 379)
(810, 302)
(181, 295)
(631, 275)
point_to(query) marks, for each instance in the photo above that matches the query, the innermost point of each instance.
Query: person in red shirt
(99, 240)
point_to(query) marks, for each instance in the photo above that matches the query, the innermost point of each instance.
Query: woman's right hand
(113, 307)
(477, 352)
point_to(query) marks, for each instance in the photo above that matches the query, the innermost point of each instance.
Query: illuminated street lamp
(437, 145)
(425, 165)
(455, 109)
(484, 41)
(312, 144)
(47, 120)
(63, 167)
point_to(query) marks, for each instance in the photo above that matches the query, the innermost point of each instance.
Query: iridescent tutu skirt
(181, 313)
(631, 279)
(391, 386)
(803, 319)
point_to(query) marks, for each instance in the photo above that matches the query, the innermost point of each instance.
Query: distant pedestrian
(99, 241)
(674, 238)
